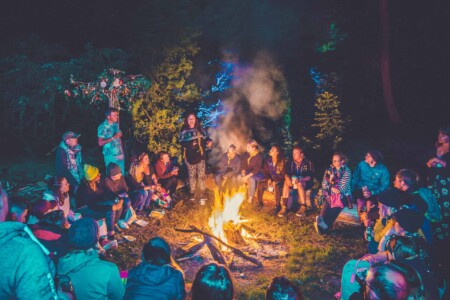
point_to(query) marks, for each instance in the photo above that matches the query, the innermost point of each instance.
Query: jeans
(141, 199)
(252, 181)
(329, 214)
(169, 184)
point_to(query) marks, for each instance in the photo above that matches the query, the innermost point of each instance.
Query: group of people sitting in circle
(407, 226)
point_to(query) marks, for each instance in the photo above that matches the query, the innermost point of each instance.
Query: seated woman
(58, 193)
(335, 187)
(251, 168)
(229, 169)
(166, 172)
(274, 175)
(158, 276)
(116, 193)
(212, 281)
(141, 194)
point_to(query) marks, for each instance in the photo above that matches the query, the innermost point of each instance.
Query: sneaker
(321, 224)
(123, 225)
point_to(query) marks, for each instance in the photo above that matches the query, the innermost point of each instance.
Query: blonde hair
(253, 144)
(137, 171)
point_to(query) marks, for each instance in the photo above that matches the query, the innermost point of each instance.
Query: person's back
(157, 276)
(91, 277)
(25, 268)
(148, 281)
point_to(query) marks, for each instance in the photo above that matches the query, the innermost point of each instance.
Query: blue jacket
(376, 178)
(148, 281)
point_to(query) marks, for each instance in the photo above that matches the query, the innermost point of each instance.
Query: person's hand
(431, 163)
(367, 194)
(269, 182)
(117, 135)
(174, 172)
(243, 173)
(335, 190)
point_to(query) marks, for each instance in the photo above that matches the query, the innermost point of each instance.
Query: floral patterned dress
(441, 189)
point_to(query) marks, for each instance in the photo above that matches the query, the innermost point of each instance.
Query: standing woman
(335, 187)
(192, 139)
(252, 168)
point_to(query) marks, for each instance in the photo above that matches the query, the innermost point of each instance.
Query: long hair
(197, 125)
(157, 252)
(54, 185)
(137, 171)
(212, 281)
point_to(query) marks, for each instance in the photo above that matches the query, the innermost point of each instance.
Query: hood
(149, 274)
(75, 261)
(10, 230)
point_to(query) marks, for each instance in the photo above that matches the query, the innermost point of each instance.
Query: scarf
(73, 160)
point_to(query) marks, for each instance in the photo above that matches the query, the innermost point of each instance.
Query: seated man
(229, 169)
(166, 172)
(299, 178)
(251, 168)
(370, 178)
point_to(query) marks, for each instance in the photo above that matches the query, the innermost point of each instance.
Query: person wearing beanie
(158, 276)
(91, 277)
(91, 198)
(116, 193)
(69, 161)
(370, 178)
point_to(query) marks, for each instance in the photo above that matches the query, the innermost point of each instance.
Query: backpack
(434, 210)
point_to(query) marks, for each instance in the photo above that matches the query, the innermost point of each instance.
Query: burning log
(189, 249)
(233, 233)
(233, 249)
(215, 251)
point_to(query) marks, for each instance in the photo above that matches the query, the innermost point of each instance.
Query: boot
(282, 212)
(301, 212)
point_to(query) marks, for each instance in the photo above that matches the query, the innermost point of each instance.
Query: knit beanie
(113, 169)
(408, 219)
(392, 197)
(83, 234)
(376, 155)
(90, 172)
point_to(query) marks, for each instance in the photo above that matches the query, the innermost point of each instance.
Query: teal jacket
(91, 277)
(376, 178)
(25, 268)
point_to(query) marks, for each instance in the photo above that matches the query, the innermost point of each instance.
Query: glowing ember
(225, 209)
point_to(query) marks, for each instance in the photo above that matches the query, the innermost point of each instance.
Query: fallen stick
(235, 251)
(215, 252)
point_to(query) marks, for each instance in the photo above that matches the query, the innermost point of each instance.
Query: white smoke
(257, 92)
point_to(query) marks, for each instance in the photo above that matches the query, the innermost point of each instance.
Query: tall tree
(385, 69)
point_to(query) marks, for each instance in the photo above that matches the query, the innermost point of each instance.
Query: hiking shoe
(282, 212)
(301, 212)
(123, 225)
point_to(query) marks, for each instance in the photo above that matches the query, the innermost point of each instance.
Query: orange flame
(225, 209)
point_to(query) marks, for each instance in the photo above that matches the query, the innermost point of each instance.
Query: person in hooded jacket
(91, 277)
(157, 277)
(69, 161)
(26, 270)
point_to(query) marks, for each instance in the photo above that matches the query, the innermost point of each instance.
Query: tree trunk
(385, 65)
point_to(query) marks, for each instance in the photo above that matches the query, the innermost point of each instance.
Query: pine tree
(329, 120)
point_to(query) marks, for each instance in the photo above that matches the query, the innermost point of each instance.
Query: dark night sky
(420, 42)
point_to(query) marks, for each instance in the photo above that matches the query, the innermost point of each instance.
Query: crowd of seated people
(407, 225)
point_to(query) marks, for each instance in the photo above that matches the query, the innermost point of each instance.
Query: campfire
(225, 234)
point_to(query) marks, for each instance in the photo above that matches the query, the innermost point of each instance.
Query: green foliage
(157, 117)
(34, 109)
(329, 120)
